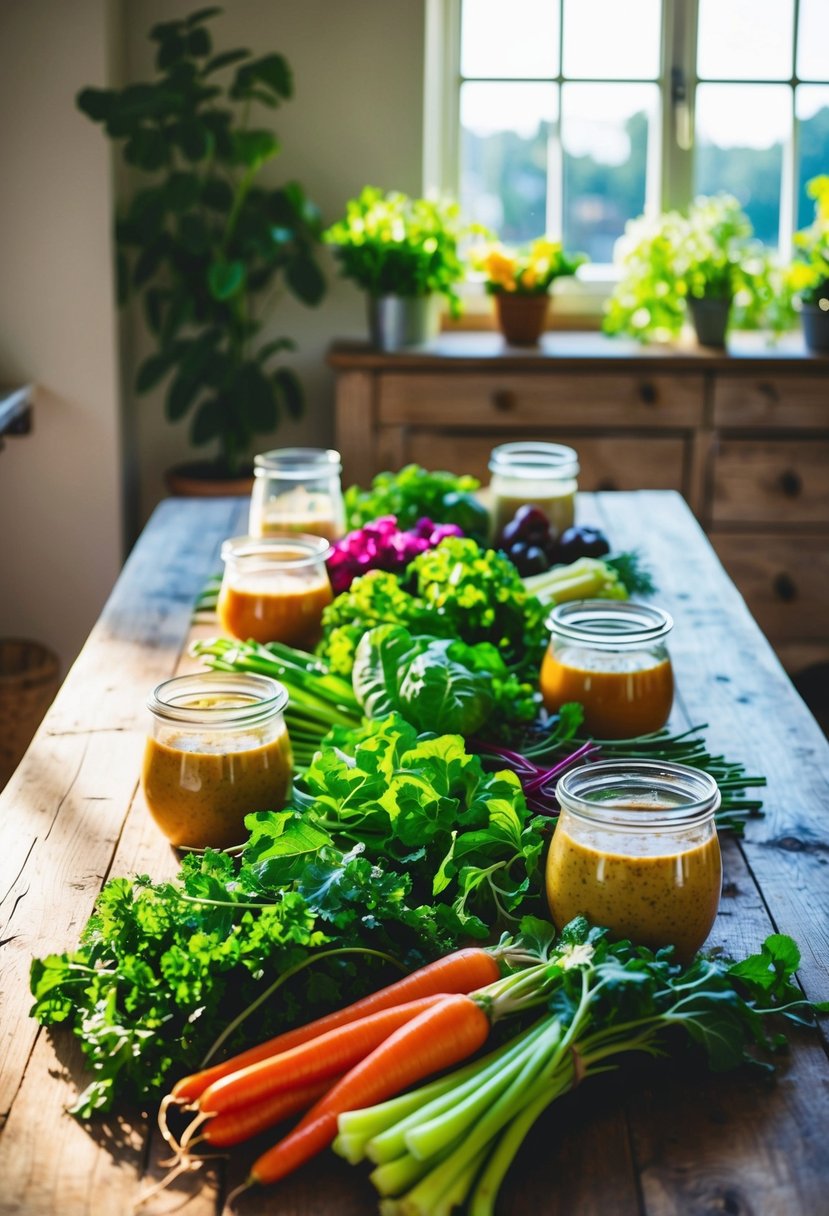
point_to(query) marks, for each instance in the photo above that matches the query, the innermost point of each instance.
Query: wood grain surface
(662, 1139)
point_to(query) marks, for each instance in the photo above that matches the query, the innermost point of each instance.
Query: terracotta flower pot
(521, 318)
(200, 479)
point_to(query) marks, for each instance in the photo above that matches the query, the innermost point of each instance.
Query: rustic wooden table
(661, 1141)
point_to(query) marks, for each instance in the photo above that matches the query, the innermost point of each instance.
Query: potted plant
(403, 252)
(700, 263)
(809, 273)
(203, 244)
(520, 281)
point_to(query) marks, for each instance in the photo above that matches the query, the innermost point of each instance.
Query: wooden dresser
(743, 435)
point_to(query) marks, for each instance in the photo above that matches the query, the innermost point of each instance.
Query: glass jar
(541, 474)
(297, 490)
(610, 655)
(274, 588)
(635, 849)
(217, 751)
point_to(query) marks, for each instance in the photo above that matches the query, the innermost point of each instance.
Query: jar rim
(266, 698)
(279, 550)
(296, 464)
(636, 779)
(526, 458)
(609, 624)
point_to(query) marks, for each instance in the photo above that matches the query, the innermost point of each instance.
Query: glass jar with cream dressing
(635, 849)
(274, 588)
(611, 656)
(543, 475)
(218, 749)
(297, 490)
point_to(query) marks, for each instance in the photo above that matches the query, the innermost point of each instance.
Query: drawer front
(510, 402)
(770, 482)
(784, 581)
(773, 403)
(613, 463)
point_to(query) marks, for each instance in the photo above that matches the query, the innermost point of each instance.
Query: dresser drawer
(772, 403)
(512, 402)
(614, 463)
(771, 482)
(783, 580)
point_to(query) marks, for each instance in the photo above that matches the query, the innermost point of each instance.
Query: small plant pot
(521, 319)
(816, 328)
(710, 318)
(398, 322)
(201, 479)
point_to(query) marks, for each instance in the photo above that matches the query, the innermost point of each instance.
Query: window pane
(612, 39)
(741, 129)
(745, 39)
(812, 103)
(504, 133)
(605, 133)
(813, 40)
(522, 42)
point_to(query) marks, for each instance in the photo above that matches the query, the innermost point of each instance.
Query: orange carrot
(322, 1058)
(442, 1035)
(222, 1131)
(462, 971)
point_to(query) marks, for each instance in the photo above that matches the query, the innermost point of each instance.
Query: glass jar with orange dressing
(274, 589)
(218, 750)
(635, 849)
(297, 490)
(611, 656)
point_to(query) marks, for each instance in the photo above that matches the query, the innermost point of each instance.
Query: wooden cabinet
(743, 435)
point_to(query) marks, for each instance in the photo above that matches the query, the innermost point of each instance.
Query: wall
(60, 487)
(355, 118)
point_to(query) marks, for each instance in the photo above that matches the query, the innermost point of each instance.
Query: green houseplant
(202, 243)
(809, 273)
(700, 263)
(402, 252)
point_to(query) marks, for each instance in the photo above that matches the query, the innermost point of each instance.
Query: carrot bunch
(362, 1054)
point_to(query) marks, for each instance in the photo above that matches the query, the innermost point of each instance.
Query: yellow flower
(500, 268)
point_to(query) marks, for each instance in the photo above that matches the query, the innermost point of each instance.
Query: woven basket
(28, 683)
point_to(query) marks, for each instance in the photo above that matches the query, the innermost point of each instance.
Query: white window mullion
(789, 186)
(678, 94)
(441, 98)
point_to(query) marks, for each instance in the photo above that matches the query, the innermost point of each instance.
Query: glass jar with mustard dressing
(611, 656)
(543, 475)
(635, 849)
(218, 750)
(274, 588)
(297, 490)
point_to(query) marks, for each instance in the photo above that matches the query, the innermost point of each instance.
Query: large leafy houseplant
(676, 259)
(202, 242)
(392, 244)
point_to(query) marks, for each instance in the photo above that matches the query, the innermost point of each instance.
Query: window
(573, 116)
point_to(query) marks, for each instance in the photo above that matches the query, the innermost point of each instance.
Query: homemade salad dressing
(541, 474)
(297, 490)
(219, 749)
(610, 656)
(274, 589)
(635, 849)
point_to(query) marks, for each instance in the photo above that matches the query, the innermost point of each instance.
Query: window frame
(670, 169)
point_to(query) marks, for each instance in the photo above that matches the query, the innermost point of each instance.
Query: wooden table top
(652, 1141)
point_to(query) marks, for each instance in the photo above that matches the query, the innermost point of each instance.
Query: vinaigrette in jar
(610, 656)
(297, 490)
(218, 750)
(635, 849)
(274, 589)
(539, 474)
